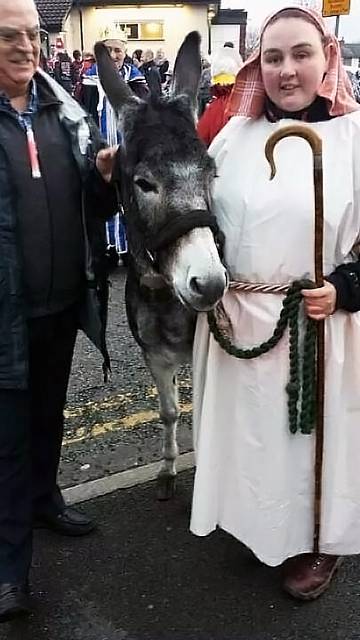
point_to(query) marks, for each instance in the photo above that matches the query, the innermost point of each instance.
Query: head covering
(225, 64)
(248, 96)
(114, 34)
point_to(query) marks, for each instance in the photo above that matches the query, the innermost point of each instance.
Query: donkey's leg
(166, 383)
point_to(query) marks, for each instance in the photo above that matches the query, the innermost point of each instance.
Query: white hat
(112, 33)
(226, 62)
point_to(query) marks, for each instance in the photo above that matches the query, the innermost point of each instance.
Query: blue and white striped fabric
(115, 229)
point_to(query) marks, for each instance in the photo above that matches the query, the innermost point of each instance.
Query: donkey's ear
(114, 86)
(187, 68)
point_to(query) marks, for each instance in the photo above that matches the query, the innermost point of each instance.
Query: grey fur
(165, 172)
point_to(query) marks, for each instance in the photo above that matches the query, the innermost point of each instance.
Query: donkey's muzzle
(209, 291)
(206, 292)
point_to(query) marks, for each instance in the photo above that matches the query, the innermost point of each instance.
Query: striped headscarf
(248, 95)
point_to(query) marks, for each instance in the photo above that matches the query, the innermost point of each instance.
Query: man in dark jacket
(53, 184)
(151, 72)
(63, 72)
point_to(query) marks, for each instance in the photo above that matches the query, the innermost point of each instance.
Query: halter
(177, 227)
(152, 243)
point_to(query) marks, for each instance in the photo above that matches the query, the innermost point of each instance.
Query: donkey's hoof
(166, 487)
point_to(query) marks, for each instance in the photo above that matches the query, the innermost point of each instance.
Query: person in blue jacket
(116, 44)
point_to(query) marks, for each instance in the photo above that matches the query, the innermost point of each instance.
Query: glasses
(11, 36)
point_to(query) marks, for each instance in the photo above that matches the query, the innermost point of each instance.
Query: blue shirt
(128, 72)
(25, 118)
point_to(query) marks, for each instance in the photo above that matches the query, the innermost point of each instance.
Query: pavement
(112, 427)
(143, 576)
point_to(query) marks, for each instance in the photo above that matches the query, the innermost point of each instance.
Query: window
(152, 30)
(131, 29)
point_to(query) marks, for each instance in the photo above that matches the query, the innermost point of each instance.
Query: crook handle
(315, 142)
(316, 145)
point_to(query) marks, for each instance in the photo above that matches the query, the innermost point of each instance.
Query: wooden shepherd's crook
(316, 144)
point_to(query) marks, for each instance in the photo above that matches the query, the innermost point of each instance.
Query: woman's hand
(320, 303)
(105, 161)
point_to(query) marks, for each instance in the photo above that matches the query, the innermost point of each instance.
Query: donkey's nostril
(196, 286)
(209, 289)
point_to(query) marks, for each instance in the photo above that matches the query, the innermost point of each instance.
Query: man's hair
(137, 54)
(28, 3)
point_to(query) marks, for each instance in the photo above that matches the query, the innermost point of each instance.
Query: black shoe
(14, 601)
(67, 522)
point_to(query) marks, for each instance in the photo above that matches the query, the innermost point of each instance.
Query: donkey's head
(165, 175)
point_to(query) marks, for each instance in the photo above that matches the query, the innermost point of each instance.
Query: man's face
(148, 55)
(117, 50)
(19, 45)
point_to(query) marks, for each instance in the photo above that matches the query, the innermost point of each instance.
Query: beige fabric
(253, 478)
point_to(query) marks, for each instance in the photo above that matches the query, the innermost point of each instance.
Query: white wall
(352, 63)
(178, 21)
(221, 33)
(71, 32)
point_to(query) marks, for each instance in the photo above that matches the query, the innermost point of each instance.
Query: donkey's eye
(145, 185)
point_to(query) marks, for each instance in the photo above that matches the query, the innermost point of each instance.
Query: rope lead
(301, 388)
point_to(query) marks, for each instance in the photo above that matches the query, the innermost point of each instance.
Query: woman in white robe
(254, 478)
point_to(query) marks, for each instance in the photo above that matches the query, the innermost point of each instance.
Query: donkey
(164, 176)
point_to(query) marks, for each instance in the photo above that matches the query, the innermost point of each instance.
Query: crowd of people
(146, 74)
(254, 478)
(70, 72)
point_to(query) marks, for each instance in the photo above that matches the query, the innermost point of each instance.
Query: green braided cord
(301, 387)
(308, 408)
(293, 387)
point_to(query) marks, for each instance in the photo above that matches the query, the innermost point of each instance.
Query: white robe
(254, 479)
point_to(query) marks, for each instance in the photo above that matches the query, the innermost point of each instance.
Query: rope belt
(301, 388)
(258, 287)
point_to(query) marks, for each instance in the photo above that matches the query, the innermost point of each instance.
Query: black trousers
(31, 432)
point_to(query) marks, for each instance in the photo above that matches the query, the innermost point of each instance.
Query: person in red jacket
(224, 68)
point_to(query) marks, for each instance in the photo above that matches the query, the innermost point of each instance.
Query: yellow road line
(112, 402)
(101, 405)
(127, 422)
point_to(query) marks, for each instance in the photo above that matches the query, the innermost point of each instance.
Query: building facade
(148, 26)
(351, 55)
(151, 24)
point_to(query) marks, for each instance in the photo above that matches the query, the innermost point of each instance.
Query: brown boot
(308, 575)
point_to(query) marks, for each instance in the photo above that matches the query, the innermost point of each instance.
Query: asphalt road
(143, 576)
(115, 426)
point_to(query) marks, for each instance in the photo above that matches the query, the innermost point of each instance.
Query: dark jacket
(152, 75)
(97, 201)
(163, 69)
(62, 71)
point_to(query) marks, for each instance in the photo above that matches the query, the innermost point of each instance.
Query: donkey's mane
(162, 128)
